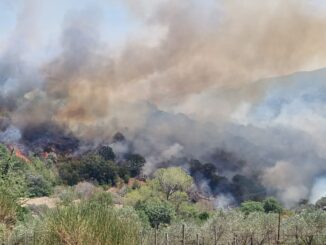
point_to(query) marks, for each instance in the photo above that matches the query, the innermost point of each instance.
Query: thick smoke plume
(187, 90)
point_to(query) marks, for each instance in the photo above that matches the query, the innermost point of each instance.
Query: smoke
(318, 191)
(189, 81)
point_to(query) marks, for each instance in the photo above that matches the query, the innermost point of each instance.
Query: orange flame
(18, 153)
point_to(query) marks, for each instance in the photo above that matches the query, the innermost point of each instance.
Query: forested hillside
(96, 199)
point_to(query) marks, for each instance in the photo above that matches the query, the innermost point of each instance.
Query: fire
(18, 153)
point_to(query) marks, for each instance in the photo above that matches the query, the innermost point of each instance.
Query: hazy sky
(44, 20)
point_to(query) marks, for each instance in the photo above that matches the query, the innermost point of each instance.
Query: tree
(69, 171)
(94, 167)
(271, 205)
(107, 153)
(171, 180)
(135, 162)
(208, 169)
(251, 206)
(118, 137)
(178, 198)
(157, 211)
(91, 167)
(245, 188)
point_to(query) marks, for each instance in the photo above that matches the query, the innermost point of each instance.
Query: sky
(46, 18)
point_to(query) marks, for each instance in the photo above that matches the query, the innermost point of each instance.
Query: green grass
(88, 223)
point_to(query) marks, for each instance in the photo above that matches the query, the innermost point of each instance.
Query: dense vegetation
(96, 199)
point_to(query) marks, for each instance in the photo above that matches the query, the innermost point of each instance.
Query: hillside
(60, 199)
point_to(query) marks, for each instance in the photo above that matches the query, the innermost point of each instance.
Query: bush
(102, 198)
(66, 194)
(37, 186)
(203, 216)
(85, 190)
(251, 206)
(188, 211)
(20, 179)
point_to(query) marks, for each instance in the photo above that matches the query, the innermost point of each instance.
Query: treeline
(100, 166)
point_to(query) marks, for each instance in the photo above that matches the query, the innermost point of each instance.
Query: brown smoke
(206, 47)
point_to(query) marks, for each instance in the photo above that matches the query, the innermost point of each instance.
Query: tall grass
(88, 223)
(8, 208)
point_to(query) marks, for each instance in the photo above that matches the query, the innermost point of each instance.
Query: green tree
(69, 171)
(251, 206)
(135, 162)
(91, 167)
(157, 211)
(271, 205)
(107, 153)
(171, 180)
(94, 167)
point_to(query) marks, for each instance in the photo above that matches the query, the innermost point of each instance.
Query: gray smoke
(197, 84)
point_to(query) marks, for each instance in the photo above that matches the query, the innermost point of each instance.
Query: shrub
(188, 211)
(251, 206)
(37, 186)
(203, 216)
(102, 198)
(85, 190)
(66, 194)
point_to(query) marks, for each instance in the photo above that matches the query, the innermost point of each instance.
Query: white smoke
(318, 190)
(10, 135)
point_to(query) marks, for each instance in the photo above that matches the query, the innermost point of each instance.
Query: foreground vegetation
(98, 200)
